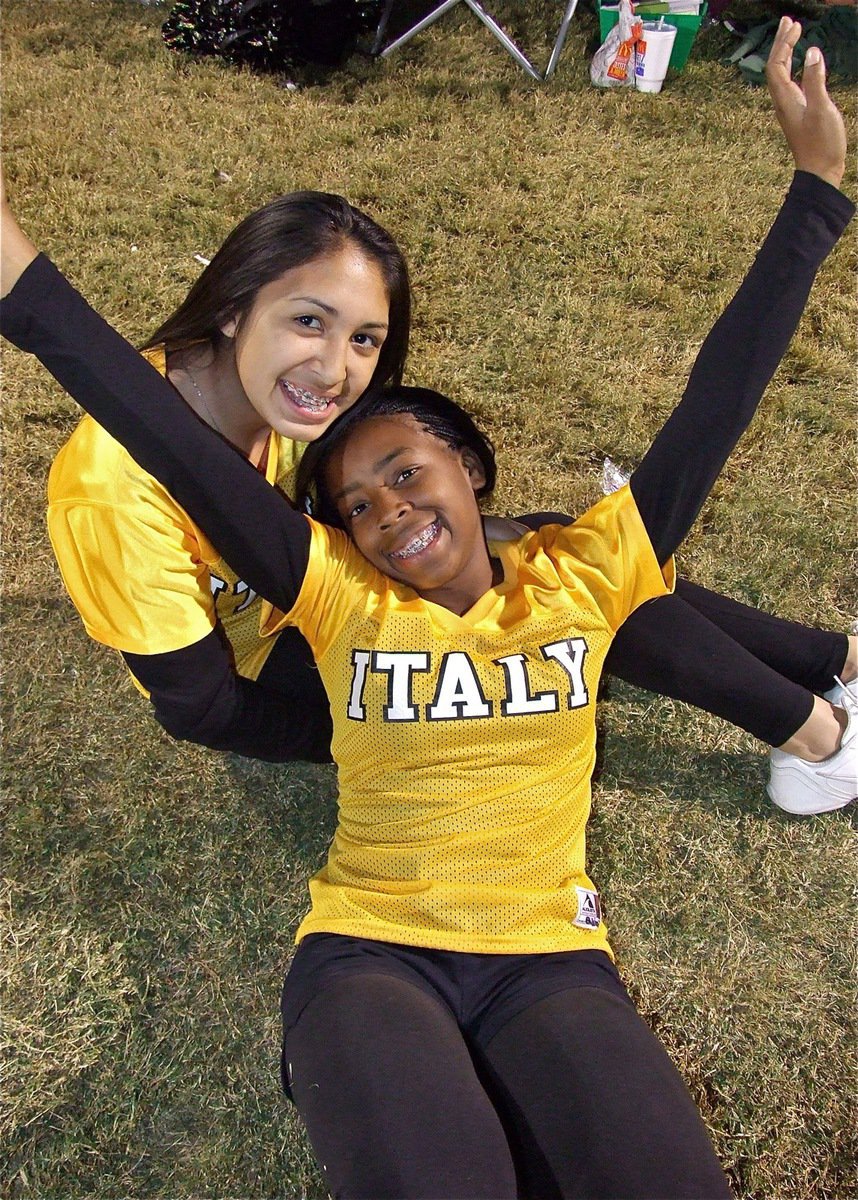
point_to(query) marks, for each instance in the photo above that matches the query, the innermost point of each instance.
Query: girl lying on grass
(454, 1025)
(304, 307)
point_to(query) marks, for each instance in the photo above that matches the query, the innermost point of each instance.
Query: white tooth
(307, 399)
(419, 543)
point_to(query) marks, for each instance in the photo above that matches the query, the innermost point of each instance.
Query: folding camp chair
(490, 23)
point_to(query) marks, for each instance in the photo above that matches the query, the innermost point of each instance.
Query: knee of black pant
(597, 1106)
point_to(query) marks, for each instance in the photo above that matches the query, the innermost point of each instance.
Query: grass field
(570, 249)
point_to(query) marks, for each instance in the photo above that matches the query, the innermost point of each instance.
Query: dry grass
(570, 249)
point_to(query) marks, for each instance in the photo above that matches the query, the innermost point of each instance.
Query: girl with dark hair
(454, 1025)
(306, 304)
(287, 233)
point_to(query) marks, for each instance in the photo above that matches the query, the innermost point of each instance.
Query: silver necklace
(212, 418)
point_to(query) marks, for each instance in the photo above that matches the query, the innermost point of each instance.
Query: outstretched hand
(810, 119)
(16, 249)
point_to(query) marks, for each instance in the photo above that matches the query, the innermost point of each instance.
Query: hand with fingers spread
(810, 119)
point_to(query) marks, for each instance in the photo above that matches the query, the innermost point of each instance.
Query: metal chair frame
(490, 23)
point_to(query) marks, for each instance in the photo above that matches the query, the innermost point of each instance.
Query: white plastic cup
(652, 55)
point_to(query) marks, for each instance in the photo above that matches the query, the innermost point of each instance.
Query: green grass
(570, 249)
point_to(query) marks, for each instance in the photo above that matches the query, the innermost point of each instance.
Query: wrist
(832, 174)
(834, 177)
(16, 251)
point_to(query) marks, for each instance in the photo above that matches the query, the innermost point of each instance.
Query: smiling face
(407, 500)
(308, 346)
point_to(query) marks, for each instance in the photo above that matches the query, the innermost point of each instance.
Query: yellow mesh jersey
(144, 578)
(466, 744)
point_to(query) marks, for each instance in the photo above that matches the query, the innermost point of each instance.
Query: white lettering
(520, 700)
(571, 654)
(400, 667)
(218, 585)
(240, 588)
(458, 694)
(360, 666)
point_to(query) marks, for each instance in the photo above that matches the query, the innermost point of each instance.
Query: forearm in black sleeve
(198, 696)
(736, 362)
(264, 540)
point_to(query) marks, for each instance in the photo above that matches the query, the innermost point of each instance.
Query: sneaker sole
(798, 811)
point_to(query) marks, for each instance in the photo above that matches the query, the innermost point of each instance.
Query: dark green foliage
(834, 31)
(271, 35)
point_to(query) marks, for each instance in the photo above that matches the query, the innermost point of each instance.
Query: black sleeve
(736, 362)
(264, 540)
(198, 696)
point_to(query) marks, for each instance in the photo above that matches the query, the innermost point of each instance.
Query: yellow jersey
(143, 576)
(465, 744)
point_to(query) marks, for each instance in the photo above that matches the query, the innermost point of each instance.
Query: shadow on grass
(733, 782)
(296, 802)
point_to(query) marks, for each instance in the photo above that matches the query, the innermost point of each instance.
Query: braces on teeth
(419, 543)
(307, 399)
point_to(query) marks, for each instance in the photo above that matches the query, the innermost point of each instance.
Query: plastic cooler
(686, 24)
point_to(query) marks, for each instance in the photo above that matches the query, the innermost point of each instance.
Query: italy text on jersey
(459, 693)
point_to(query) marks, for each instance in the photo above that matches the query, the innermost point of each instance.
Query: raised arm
(741, 353)
(254, 526)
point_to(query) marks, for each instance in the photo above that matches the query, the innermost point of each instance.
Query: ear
(229, 327)
(474, 468)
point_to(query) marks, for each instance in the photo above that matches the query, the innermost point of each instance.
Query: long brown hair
(286, 233)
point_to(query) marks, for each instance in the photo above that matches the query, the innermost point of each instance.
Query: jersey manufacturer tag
(589, 909)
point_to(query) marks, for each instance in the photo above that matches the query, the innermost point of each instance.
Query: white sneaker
(806, 788)
(840, 689)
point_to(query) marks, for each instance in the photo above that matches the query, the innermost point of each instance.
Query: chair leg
(507, 42)
(418, 28)
(378, 41)
(561, 38)
(490, 23)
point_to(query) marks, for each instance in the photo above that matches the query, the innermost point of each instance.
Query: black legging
(749, 667)
(573, 1097)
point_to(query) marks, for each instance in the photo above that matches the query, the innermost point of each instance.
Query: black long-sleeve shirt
(46, 316)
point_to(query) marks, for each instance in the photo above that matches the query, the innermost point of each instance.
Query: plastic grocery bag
(613, 63)
(613, 477)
